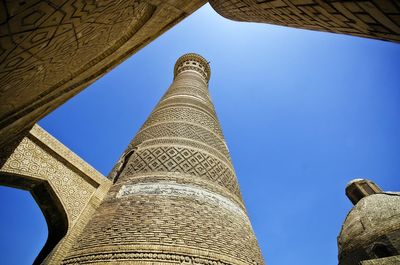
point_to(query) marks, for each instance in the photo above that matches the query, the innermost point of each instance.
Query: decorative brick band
(188, 143)
(184, 160)
(155, 254)
(143, 256)
(180, 190)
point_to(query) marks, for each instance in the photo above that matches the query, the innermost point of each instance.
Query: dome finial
(193, 62)
(360, 188)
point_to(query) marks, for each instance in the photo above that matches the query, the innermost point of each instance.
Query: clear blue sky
(303, 113)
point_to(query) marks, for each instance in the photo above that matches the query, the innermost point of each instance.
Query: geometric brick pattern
(184, 114)
(372, 19)
(164, 226)
(30, 159)
(183, 160)
(181, 130)
(189, 91)
(188, 143)
(66, 188)
(187, 101)
(175, 198)
(50, 50)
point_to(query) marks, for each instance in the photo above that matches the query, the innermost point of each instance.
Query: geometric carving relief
(371, 19)
(30, 159)
(186, 114)
(50, 50)
(182, 130)
(61, 183)
(195, 145)
(184, 160)
(186, 100)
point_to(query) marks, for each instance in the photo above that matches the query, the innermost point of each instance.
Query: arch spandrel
(66, 188)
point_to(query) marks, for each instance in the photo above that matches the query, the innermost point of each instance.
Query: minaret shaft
(176, 197)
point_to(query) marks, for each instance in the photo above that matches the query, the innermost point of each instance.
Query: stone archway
(48, 202)
(65, 187)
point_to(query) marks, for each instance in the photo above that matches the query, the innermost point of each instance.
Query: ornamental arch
(65, 187)
(50, 205)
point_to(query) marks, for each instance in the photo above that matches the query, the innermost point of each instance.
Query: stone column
(176, 199)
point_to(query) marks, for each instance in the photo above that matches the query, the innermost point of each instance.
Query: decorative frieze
(181, 190)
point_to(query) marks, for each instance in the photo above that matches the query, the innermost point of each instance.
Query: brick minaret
(176, 199)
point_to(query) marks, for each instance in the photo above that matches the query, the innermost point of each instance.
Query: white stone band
(180, 190)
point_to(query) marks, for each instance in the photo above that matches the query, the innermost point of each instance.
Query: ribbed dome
(372, 217)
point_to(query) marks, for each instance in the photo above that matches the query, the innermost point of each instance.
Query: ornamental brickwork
(378, 19)
(175, 199)
(65, 187)
(51, 50)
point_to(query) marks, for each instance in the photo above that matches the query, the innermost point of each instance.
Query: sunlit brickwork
(176, 198)
(371, 19)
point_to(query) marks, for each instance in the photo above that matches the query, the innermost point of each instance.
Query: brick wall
(372, 19)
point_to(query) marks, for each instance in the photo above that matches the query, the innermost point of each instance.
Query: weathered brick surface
(372, 228)
(176, 199)
(372, 19)
(383, 261)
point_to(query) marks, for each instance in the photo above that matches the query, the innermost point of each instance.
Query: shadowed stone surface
(378, 19)
(176, 199)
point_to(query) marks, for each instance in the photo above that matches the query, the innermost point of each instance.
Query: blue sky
(303, 113)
